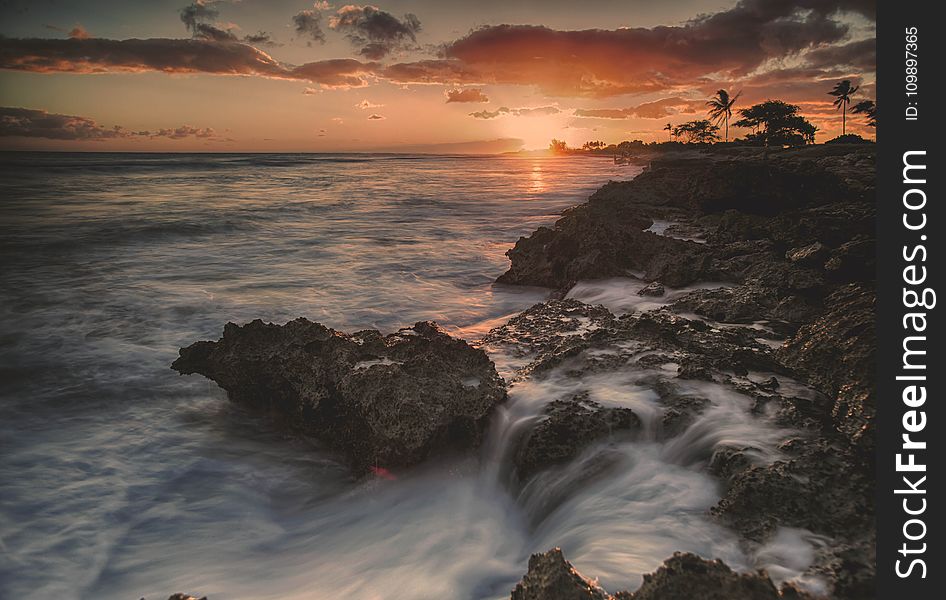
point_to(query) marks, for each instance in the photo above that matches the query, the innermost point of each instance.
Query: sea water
(120, 479)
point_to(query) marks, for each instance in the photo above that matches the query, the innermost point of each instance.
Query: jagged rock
(740, 304)
(835, 354)
(568, 426)
(802, 490)
(551, 577)
(686, 576)
(812, 255)
(853, 261)
(654, 288)
(388, 401)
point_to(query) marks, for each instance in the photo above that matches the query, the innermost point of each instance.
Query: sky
(412, 76)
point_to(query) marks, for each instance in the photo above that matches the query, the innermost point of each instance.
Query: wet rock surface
(683, 576)
(387, 401)
(792, 329)
(568, 426)
(551, 577)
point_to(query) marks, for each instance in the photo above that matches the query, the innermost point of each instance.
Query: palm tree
(721, 108)
(843, 92)
(669, 127)
(868, 108)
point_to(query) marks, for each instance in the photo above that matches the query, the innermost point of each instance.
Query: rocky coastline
(777, 252)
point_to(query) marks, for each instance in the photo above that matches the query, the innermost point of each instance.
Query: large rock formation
(681, 577)
(387, 401)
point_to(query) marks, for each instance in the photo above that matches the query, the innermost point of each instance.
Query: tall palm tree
(721, 108)
(842, 93)
(669, 127)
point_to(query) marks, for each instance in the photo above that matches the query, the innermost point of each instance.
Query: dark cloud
(308, 24)
(28, 122)
(195, 18)
(601, 63)
(732, 48)
(335, 73)
(260, 38)
(97, 55)
(861, 54)
(657, 109)
(516, 112)
(465, 95)
(376, 32)
(375, 117)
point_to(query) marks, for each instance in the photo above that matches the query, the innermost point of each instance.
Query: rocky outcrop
(387, 401)
(551, 577)
(684, 576)
(792, 240)
(687, 576)
(567, 427)
(835, 353)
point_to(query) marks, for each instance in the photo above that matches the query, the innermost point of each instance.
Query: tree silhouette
(558, 147)
(842, 93)
(721, 108)
(776, 123)
(699, 132)
(669, 127)
(868, 108)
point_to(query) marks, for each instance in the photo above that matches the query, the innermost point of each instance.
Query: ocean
(120, 479)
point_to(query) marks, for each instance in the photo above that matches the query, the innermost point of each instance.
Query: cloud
(196, 17)
(375, 117)
(657, 109)
(602, 63)
(365, 105)
(310, 91)
(861, 54)
(516, 112)
(336, 73)
(741, 46)
(465, 95)
(260, 38)
(308, 24)
(172, 56)
(376, 32)
(33, 123)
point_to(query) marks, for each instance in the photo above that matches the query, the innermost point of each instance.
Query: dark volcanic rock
(835, 353)
(687, 576)
(683, 576)
(551, 577)
(389, 401)
(568, 427)
(812, 255)
(654, 288)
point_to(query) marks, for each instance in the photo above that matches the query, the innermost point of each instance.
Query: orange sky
(250, 75)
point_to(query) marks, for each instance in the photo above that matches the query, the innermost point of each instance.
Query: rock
(686, 576)
(812, 255)
(654, 288)
(835, 354)
(387, 401)
(568, 426)
(853, 261)
(740, 304)
(551, 577)
(803, 490)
